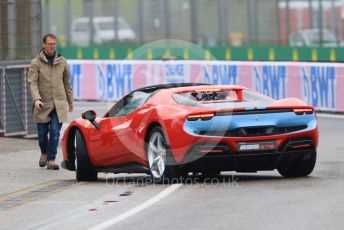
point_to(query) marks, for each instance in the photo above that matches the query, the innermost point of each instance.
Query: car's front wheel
(299, 168)
(162, 165)
(84, 168)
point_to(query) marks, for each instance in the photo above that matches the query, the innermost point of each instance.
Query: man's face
(50, 46)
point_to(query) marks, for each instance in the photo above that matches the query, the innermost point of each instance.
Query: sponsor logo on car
(249, 146)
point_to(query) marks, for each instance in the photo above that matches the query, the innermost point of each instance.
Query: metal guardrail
(15, 100)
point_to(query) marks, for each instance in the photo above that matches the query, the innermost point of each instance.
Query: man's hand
(71, 108)
(38, 104)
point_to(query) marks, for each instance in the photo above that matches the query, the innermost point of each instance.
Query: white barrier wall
(318, 84)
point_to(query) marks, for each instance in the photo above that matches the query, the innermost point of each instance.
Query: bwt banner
(315, 83)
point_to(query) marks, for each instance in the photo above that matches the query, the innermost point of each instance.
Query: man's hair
(48, 35)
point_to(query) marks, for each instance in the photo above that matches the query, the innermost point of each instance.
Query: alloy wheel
(157, 154)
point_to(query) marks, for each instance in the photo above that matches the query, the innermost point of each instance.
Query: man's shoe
(53, 166)
(42, 162)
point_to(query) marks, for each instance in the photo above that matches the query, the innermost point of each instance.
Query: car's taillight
(302, 111)
(203, 117)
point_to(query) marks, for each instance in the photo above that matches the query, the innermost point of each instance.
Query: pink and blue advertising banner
(318, 84)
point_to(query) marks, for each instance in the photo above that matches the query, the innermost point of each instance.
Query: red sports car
(171, 130)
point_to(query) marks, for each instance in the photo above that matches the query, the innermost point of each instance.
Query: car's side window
(128, 104)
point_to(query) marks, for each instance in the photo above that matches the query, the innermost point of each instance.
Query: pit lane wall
(318, 84)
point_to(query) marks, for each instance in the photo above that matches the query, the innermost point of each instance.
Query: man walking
(51, 90)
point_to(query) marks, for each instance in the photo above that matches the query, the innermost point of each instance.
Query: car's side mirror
(91, 116)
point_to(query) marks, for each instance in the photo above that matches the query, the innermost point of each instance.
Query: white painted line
(137, 209)
(330, 115)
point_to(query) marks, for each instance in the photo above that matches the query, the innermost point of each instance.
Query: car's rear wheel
(84, 168)
(299, 168)
(162, 165)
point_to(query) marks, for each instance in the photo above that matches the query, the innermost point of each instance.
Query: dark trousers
(49, 144)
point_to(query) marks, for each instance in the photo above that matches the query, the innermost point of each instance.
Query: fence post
(249, 22)
(167, 19)
(1, 35)
(2, 98)
(35, 26)
(115, 19)
(320, 26)
(310, 12)
(278, 23)
(11, 29)
(334, 21)
(67, 23)
(141, 21)
(30, 127)
(287, 20)
(194, 24)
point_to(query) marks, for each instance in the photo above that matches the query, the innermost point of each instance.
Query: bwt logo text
(114, 81)
(319, 86)
(271, 80)
(220, 74)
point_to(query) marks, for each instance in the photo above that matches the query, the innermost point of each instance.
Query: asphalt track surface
(36, 198)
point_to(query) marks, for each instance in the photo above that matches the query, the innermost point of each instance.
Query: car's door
(113, 142)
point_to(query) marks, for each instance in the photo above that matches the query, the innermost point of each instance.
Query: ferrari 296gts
(172, 130)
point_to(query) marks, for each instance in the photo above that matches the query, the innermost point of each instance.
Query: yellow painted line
(36, 192)
(228, 54)
(250, 55)
(295, 55)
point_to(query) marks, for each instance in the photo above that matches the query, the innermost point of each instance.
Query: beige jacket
(51, 85)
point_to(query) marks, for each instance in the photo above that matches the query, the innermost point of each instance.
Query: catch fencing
(203, 22)
(15, 100)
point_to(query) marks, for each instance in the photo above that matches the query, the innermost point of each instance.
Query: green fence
(252, 53)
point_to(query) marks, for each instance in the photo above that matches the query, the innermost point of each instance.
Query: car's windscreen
(222, 99)
(128, 104)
